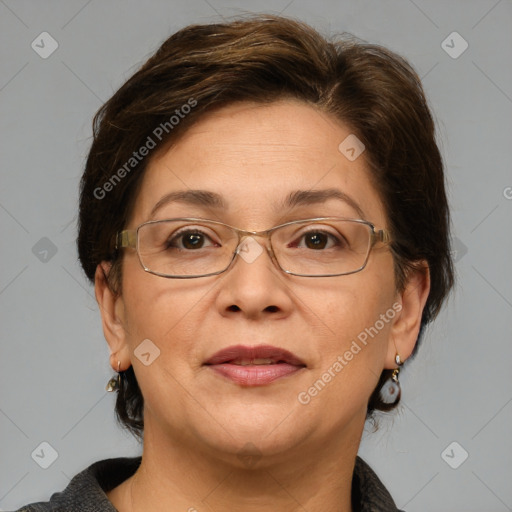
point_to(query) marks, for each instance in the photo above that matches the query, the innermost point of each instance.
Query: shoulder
(86, 490)
(368, 492)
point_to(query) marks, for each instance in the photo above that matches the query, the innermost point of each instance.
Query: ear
(409, 306)
(112, 316)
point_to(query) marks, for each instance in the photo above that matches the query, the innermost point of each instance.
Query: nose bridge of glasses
(249, 249)
(244, 237)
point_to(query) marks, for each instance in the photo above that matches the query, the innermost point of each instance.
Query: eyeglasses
(185, 248)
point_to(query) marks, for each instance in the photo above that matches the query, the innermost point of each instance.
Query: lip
(236, 352)
(227, 361)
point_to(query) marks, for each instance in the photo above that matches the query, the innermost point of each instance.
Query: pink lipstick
(254, 366)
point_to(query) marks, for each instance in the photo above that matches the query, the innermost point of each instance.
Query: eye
(190, 239)
(319, 239)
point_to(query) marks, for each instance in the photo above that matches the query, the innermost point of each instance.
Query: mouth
(254, 366)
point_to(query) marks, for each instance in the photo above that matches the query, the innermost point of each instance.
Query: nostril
(234, 307)
(272, 309)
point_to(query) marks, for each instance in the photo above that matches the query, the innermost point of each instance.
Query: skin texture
(196, 422)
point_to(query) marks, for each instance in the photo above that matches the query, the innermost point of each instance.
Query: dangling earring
(390, 391)
(396, 371)
(115, 382)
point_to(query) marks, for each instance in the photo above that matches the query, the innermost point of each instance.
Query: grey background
(54, 360)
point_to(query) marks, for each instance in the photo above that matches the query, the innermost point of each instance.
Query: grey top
(86, 491)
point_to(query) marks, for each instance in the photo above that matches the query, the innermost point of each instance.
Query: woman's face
(254, 157)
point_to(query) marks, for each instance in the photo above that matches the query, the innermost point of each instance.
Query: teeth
(247, 362)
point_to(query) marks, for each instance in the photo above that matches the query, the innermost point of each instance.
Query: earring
(396, 371)
(115, 382)
(390, 391)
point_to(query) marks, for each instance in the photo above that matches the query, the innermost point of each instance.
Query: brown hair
(265, 58)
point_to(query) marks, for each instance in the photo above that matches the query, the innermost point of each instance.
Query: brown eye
(316, 240)
(192, 240)
(189, 240)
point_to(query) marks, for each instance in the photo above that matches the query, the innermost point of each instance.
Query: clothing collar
(86, 491)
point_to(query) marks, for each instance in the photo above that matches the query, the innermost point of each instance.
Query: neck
(177, 476)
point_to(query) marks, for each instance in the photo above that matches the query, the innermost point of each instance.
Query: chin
(253, 434)
(250, 450)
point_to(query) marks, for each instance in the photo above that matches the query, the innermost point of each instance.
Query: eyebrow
(294, 199)
(191, 197)
(309, 197)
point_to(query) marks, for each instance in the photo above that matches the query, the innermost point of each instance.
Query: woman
(264, 217)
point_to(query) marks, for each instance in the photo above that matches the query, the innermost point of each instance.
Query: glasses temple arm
(126, 238)
(382, 235)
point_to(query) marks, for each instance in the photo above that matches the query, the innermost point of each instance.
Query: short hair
(262, 59)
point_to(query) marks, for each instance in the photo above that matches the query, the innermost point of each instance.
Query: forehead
(255, 157)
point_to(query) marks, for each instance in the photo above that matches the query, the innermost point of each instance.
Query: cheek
(159, 310)
(161, 320)
(344, 307)
(357, 332)
(354, 319)
(154, 305)
(177, 316)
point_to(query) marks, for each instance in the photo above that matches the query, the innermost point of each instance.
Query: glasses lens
(185, 247)
(326, 247)
(190, 248)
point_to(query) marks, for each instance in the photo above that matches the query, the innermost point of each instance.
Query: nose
(253, 286)
(250, 248)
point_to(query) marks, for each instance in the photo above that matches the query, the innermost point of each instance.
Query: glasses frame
(129, 238)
